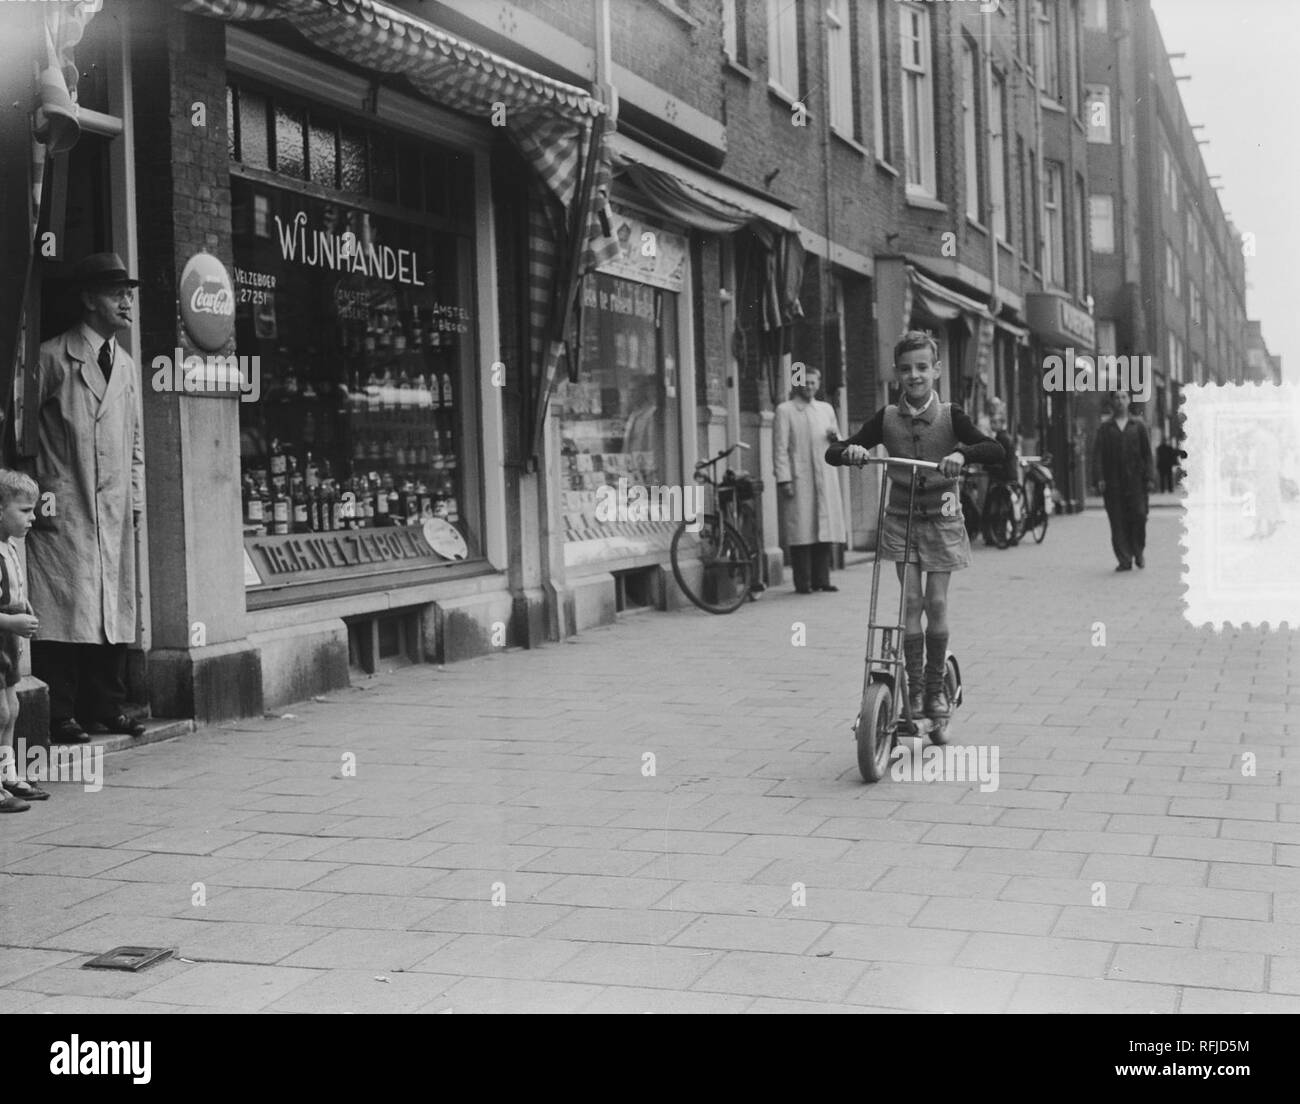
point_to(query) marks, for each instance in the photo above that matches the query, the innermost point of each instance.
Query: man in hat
(90, 468)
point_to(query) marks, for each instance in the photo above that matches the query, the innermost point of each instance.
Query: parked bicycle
(1013, 509)
(731, 562)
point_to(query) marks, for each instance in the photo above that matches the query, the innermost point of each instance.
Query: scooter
(885, 713)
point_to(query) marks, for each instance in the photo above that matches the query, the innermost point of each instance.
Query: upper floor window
(1053, 223)
(1193, 232)
(1101, 223)
(1098, 114)
(1046, 48)
(842, 62)
(783, 46)
(884, 144)
(970, 128)
(1001, 196)
(918, 98)
(1095, 15)
(734, 44)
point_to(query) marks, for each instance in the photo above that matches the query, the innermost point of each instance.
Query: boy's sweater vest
(916, 439)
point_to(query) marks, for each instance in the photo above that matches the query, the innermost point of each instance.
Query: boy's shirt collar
(925, 414)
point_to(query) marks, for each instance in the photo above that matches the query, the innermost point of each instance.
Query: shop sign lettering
(345, 252)
(330, 551)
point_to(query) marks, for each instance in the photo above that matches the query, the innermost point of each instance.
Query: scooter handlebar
(901, 461)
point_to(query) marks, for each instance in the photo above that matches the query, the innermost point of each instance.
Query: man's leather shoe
(828, 589)
(1123, 567)
(1139, 560)
(68, 732)
(124, 726)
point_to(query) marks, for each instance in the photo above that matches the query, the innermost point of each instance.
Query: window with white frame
(1101, 223)
(783, 47)
(881, 105)
(918, 98)
(1098, 114)
(1079, 237)
(1095, 15)
(1053, 223)
(1046, 48)
(734, 44)
(970, 128)
(1173, 270)
(841, 24)
(998, 182)
(1194, 301)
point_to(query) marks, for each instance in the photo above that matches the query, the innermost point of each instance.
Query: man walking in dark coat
(1121, 459)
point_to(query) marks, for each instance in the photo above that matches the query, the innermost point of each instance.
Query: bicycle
(731, 566)
(1013, 509)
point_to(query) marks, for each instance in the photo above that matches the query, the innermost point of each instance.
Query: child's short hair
(14, 484)
(916, 339)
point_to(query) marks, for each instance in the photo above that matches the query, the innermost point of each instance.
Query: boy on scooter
(920, 427)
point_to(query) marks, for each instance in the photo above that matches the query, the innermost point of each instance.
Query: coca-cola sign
(207, 302)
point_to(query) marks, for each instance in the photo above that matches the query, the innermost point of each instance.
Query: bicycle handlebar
(702, 464)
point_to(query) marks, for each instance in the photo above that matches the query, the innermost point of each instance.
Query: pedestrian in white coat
(814, 517)
(90, 468)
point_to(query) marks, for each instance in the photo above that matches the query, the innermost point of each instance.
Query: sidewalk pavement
(666, 815)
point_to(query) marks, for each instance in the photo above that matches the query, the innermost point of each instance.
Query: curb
(155, 731)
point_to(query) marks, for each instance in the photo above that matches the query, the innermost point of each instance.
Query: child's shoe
(937, 706)
(11, 804)
(25, 791)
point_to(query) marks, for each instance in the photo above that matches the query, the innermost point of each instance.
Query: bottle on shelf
(281, 512)
(410, 503)
(396, 513)
(301, 505)
(311, 470)
(253, 513)
(446, 391)
(417, 337)
(279, 463)
(379, 498)
(426, 500)
(268, 501)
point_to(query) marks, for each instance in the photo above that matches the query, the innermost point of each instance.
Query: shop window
(254, 142)
(410, 191)
(290, 147)
(383, 168)
(322, 145)
(354, 171)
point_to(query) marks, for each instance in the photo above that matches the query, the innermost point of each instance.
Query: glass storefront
(353, 288)
(621, 420)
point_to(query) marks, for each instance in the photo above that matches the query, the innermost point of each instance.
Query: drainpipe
(841, 413)
(995, 202)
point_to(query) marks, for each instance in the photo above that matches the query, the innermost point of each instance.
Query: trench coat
(815, 514)
(90, 457)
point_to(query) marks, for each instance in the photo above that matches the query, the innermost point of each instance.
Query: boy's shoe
(916, 699)
(12, 804)
(937, 706)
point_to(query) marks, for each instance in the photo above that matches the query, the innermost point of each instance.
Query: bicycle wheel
(1019, 511)
(728, 567)
(1039, 521)
(999, 523)
(874, 732)
(747, 519)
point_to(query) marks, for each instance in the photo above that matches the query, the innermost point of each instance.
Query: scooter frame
(885, 713)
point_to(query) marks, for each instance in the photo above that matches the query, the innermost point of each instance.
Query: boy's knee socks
(914, 655)
(936, 649)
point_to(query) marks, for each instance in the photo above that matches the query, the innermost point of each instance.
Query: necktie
(106, 360)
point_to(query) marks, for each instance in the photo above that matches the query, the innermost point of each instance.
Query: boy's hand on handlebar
(855, 455)
(952, 464)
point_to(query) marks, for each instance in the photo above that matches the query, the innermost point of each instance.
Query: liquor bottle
(329, 507)
(278, 462)
(426, 500)
(281, 513)
(268, 501)
(253, 513)
(446, 391)
(311, 470)
(417, 337)
(367, 500)
(399, 336)
(301, 506)
(411, 503)
(394, 497)
(379, 496)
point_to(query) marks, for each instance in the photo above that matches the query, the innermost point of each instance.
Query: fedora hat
(99, 269)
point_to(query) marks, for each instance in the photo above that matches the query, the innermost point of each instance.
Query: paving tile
(368, 910)
(375, 949)
(890, 943)
(625, 1000)
(18, 963)
(604, 925)
(69, 979)
(363, 992)
(396, 881)
(1045, 864)
(957, 914)
(517, 918)
(934, 988)
(1214, 850)
(605, 892)
(1183, 966)
(1200, 901)
(1284, 974)
(228, 985)
(1035, 954)
(374, 852)
(755, 933)
(1230, 1002)
(636, 965)
(500, 956)
(1140, 868)
(515, 996)
(1218, 933)
(1052, 994)
(793, 977)
(77, 862)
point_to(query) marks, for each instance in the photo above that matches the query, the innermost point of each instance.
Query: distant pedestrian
(90, 462)
(1166, 461)
(1121, 457)
(814, 517)
(18, 495)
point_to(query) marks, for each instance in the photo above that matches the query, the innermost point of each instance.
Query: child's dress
(13, 599)
(939, 539)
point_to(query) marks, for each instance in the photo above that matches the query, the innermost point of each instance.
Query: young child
(18, 495)
(920, 427)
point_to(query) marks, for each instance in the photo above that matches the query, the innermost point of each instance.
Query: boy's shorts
(938, 543)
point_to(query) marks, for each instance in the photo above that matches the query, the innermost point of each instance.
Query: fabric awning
(942, 303)
(694, 192)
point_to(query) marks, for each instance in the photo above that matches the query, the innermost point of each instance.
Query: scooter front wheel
(875, 731)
